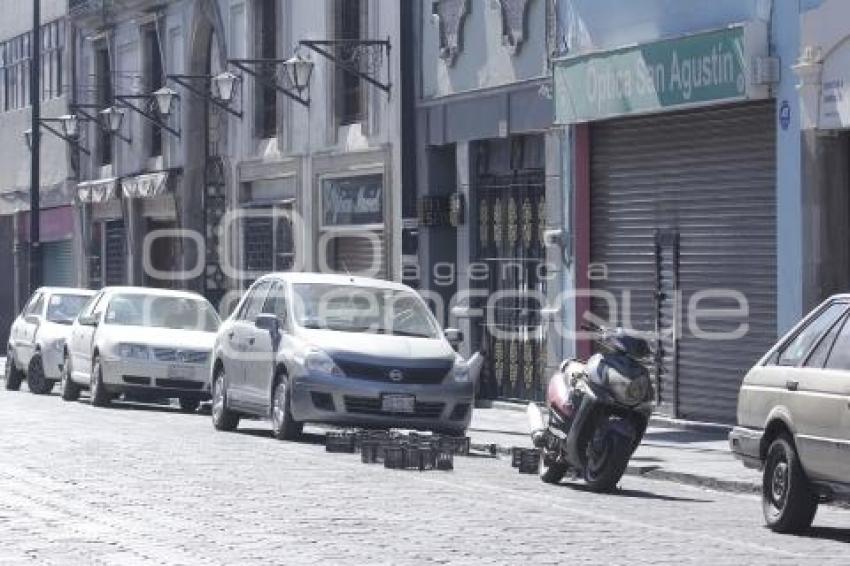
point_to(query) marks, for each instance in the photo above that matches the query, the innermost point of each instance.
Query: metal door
(710, 176)
(511, 219)
(114, 253)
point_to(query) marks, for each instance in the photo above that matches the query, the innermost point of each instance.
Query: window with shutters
(265, 47)
(349, 20)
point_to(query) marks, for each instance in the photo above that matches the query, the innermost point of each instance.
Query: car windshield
(362, 309)
(156, 311)
(64, 308)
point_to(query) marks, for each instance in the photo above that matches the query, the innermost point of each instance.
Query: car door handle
(792, 385)
(251, 341)
(231, 335)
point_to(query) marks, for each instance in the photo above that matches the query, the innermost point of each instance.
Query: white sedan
(38, 335)
(149, 344)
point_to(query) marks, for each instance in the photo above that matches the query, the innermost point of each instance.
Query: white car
(149, 344)
(37, 338)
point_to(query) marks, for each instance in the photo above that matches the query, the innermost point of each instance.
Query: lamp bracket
(186, 81)
(81, 109)
(128, 101)
(45, 123)
(362, 58)
(249, 66)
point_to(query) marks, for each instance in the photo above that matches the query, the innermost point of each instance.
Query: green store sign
(691, 70)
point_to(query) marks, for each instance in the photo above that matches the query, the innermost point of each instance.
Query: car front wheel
(99, 396)
(14, 376)
(70, 391)
(788, 501)
(36, 380)
(223, 418)
(284, 426)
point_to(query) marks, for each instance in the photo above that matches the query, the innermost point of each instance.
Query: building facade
(226, 187)
(489, 182)
(57, 213)
(684, 163)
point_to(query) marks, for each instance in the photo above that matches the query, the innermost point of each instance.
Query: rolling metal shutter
(686, 202)
(57, 260)
(359, 255)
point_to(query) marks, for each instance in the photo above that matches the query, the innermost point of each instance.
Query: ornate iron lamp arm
(186, 82)
(81, 109)
(45, 123)
(320, 46)
(244, 65)
(125, 100)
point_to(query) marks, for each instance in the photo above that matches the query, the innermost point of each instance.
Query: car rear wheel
(13, 375)
(284, 426)
(99, 396)
(223, 418)
(37, 382)
(788, 501)
(70, 391)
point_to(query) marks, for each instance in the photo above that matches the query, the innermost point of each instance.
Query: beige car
(794, 418)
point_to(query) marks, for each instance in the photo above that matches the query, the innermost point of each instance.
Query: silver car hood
(159, 337)
(378, 345)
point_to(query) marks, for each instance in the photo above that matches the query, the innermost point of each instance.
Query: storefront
(491, 188)
(678, 144)
(56, 242)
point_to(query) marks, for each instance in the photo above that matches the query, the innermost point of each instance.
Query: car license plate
(398, 403)
(180, 372)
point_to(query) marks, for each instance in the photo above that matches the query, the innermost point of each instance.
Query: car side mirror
(31, 319)
(454, 336)
(88, 320)
(269, 323)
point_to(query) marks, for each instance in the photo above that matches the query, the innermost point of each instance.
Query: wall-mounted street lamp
(113, 117)
(297, 71)
(69, 134)
(362, 58)
(155, 108)
(219, 90)
(103, 118)
(165, 99)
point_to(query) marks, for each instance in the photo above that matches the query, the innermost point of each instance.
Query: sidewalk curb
(648, 472)
(655, 420)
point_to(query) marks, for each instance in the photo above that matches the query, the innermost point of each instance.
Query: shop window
(105, 97)
(265, 47)
(155, 80)
(349, 19)
(268, 240)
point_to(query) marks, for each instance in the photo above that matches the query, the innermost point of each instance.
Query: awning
(145, 186)
(98, 191)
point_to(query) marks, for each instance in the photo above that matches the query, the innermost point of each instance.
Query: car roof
(337, 279)
(68, 290)
(152, 291)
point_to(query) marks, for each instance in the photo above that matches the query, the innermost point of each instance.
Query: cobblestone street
(149, 485)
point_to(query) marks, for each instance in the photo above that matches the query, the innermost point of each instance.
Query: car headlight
(318, 361)
(460, 371)
(134, 351)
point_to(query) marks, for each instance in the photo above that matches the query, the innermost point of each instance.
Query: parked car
(149, 343)
(37, 338)
(794, 418)
(338, 349)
